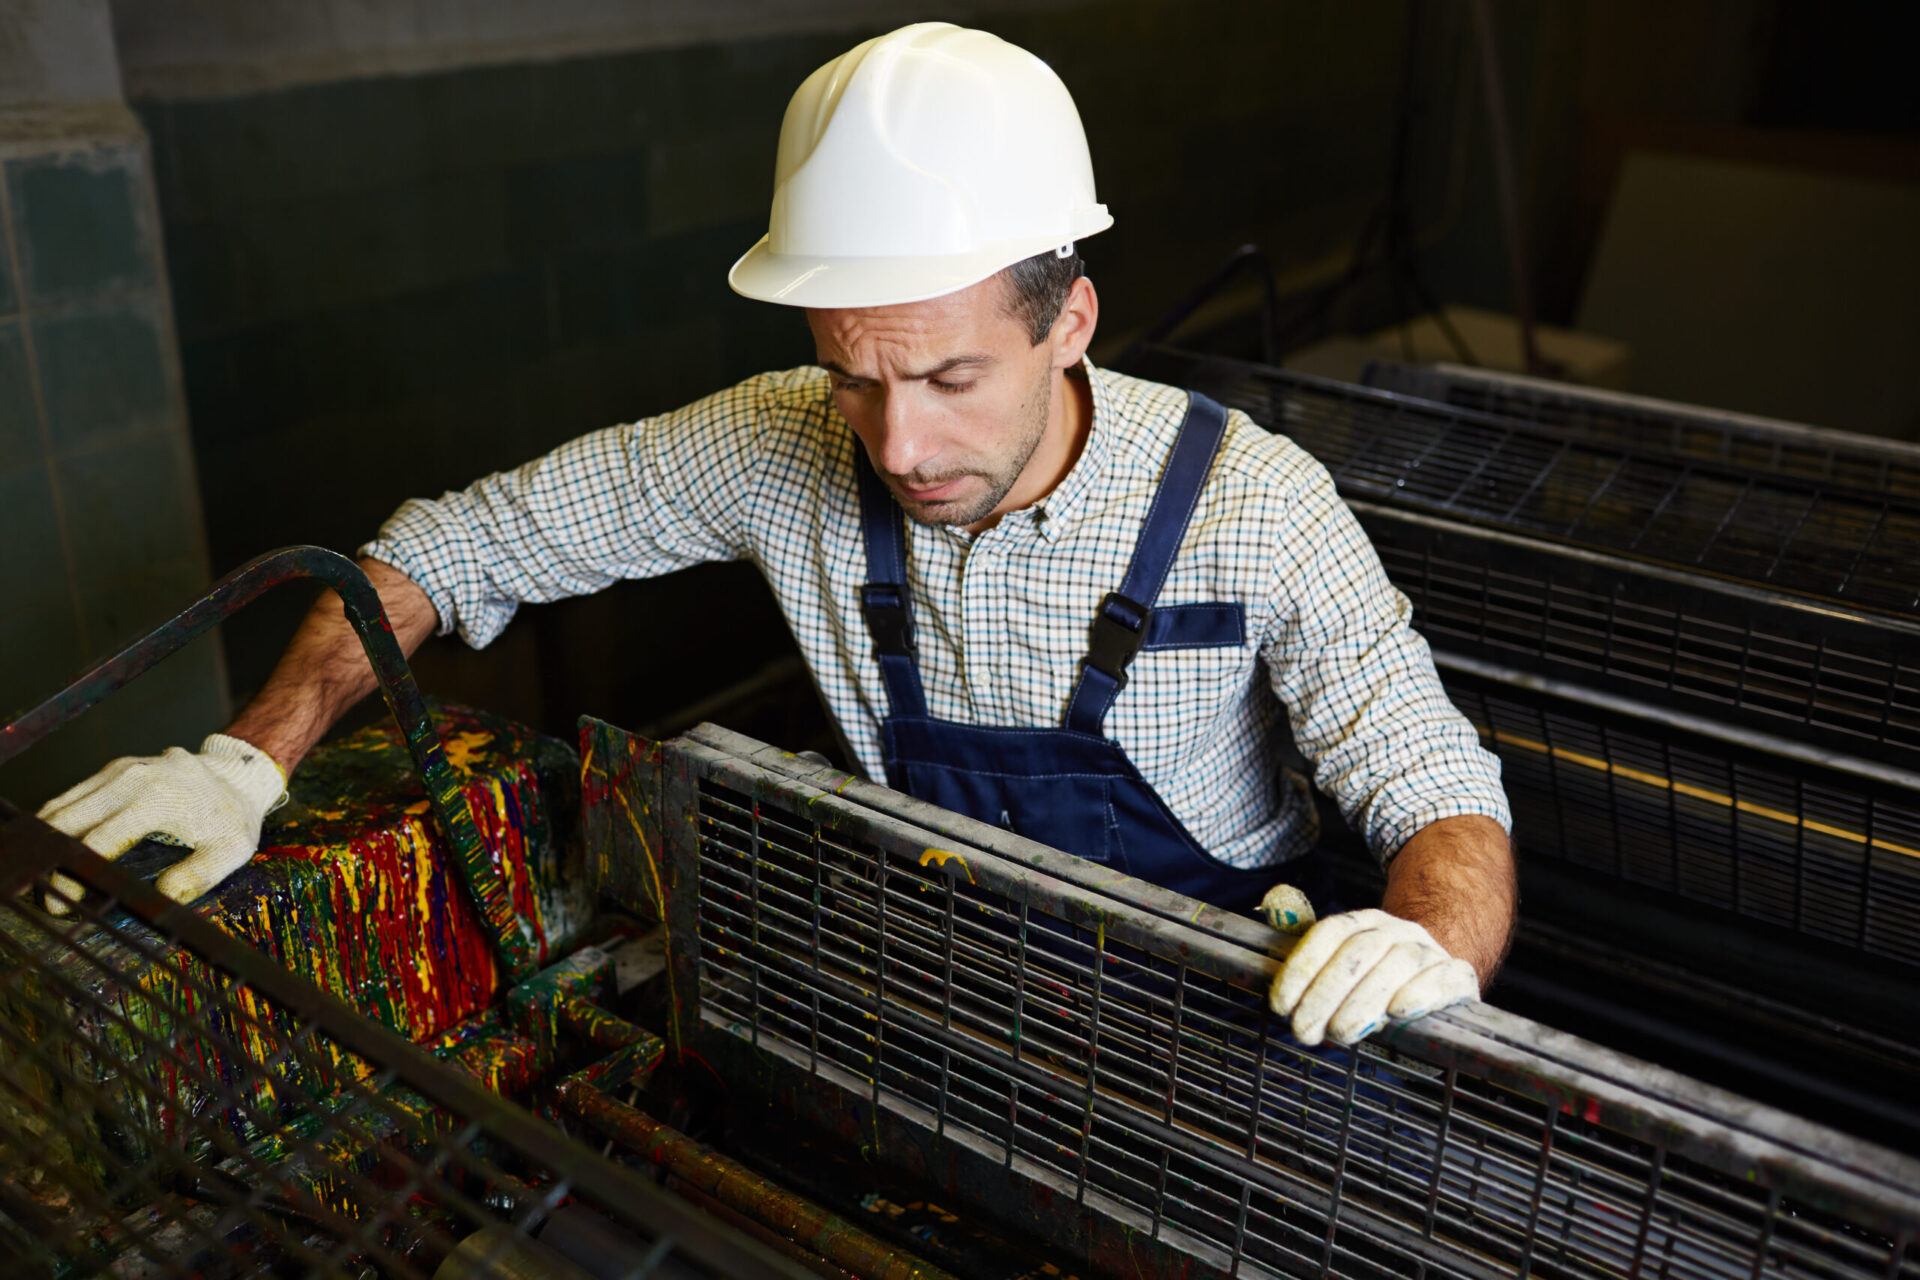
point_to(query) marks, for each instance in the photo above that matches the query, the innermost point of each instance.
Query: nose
(905, 443)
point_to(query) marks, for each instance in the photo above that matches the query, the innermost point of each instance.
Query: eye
(952, 388)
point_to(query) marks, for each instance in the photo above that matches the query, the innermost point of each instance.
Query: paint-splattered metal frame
(510, 934)
(338, 1149)
(1089, 1059)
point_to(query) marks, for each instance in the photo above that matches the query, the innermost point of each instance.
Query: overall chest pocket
(1194, 663)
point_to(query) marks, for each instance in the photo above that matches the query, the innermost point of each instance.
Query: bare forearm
(1455, 877)
(325, 671)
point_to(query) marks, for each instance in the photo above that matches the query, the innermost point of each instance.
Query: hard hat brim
(797, 280)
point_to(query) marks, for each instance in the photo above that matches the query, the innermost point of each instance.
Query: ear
(1073, 330)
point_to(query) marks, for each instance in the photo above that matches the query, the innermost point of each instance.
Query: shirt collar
(1054, 513)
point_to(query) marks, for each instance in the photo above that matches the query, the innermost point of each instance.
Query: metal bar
(1521, 396)
(1803, 754)
(1489, 1043)
(739, 1188)
(1733, 509)
(439, 1083)
(1660, 509)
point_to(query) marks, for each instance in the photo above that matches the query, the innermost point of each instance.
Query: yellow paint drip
(1687, 789)
(416, 839)
(941, 857)
(461, 749)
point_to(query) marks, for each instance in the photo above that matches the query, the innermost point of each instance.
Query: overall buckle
(884, 606)
(1119, 629)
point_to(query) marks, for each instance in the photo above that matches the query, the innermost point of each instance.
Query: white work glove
(1355, 970)
(213, 802)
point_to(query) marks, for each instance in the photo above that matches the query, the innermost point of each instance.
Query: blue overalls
(1070, 787)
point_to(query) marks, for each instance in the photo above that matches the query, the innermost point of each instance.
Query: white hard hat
(918, 163)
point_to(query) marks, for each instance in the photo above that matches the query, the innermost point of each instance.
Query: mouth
(938, 492)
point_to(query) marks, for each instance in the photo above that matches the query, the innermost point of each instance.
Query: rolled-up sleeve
(631, 501)
(1365, 703)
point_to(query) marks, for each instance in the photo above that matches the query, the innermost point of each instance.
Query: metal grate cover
(1804, 534)
(1846, 680)
(1734, 746)
(1105, 1045)
(1752, 444)
(1616, 789)
(227, 1118)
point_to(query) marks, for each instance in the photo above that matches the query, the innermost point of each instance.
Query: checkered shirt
(764, 472)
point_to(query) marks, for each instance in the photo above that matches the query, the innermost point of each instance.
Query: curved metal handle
(242, 587)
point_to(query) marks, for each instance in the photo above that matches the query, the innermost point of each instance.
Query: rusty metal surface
(1118, 1063)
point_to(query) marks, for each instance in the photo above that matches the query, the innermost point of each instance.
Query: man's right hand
(214, 801)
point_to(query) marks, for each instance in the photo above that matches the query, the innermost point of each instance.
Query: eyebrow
(945, 366)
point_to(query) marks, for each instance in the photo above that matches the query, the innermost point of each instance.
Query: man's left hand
(1355, 970)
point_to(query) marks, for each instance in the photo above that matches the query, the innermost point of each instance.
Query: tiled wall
(389, 286)
(99, 514)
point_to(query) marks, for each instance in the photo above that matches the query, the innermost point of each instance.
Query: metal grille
(174, 1103)
(1804, 534)
(1811, 850)
(1722, 769)
(1086, 1041)
(1764, 659)
(1752, 444)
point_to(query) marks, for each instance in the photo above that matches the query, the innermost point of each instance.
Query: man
(943, 507)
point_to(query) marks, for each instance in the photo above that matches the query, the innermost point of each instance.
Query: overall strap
(1120, 623)
(884, 600)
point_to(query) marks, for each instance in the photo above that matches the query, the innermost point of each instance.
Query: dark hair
(1037, 289)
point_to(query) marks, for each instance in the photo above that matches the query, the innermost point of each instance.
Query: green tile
(340, 250)
(55, 763)
(256, 151)
(127, 508)
(577, 205)
(710, 178)
(39, 633)
(43, 652)
(79, 222)
(103, 372)
(210, 292)
(9, 297)
(174, 704)
(118, 612)
(19, 421)
(33, 574)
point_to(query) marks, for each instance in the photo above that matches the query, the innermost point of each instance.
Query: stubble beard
(1000, 480)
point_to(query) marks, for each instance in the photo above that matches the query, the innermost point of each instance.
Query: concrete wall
(100, 531)
(57, 51)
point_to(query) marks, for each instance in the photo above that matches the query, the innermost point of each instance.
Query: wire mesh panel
(1752, 444)
(1121, 1063)
(1811, 535)
(172, 1103)
(1763, 659)
(1762, 754)
(1810, 850)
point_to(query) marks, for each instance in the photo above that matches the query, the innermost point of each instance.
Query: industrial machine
(699, 1007)
(1698, 658)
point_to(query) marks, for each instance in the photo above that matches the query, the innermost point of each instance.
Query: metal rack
(1753, 444)
(1732, 745)
(1093, 1060)
(310, 1141)
(1819, 537)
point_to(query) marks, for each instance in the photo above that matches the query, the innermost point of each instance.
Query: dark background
(384, 285)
